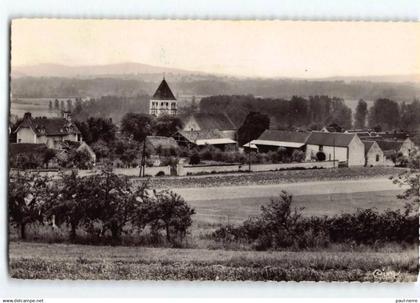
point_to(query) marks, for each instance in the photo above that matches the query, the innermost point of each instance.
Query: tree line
(298, 112)
(105, 206)
(388, 115)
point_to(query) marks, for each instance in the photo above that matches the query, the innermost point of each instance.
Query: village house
(210, 121)
(163, 101)
(374, 156)
(346, 148)
(202, 138)
(392, 147)
(49, 131)
(272, 140)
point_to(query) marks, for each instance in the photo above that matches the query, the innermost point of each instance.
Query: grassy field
(60, 261)
(234, 210)
(272, 177)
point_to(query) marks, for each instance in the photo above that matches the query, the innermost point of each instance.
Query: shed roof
(208, 121)
(195, 135)
(283, 136)
(330, 139)
(388, 145)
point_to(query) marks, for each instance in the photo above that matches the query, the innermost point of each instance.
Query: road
(297, 189)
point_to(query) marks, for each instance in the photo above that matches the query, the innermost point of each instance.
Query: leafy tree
(385, 113)
(28, 195)
(361, 114)
(139, 126)
(50, 105)
(84, 130)
(254, 125)
(101, 129)
(73, 201)
(117, 202)
(56, 104)
(101, 149)
(167, 125)
(62, 106)
(69, 105)
(170, 212)
(48, 155)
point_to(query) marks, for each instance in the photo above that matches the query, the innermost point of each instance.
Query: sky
(241, 48)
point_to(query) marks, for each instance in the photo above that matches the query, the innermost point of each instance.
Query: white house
(49, 131)
(343, 147)
(163, 101)
(374, 156)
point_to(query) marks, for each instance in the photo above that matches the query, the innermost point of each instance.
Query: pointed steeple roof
(163, 92)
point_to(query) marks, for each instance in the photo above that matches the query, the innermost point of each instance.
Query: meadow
(65, 261)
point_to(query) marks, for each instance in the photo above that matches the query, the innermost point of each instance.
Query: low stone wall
(150, 171)
(206, 169)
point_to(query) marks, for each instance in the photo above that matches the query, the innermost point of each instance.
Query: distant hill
(133, 68)
(83, 71)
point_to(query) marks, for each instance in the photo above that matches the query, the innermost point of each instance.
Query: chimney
(27, 115)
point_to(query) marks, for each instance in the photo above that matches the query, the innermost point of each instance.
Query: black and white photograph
(213, 150)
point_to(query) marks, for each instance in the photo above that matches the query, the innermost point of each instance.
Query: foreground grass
(63, 261)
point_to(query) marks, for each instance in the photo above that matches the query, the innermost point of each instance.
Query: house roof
(215, 141)
(330, 139)
(49, 126)
(218, 121)
(195, 135)
(161, 142)
(163, 92)
(395, 136)
(387, 145)
(368, 145)
(284, 136)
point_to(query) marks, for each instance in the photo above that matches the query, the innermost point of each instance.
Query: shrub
(279, 225)
(298, 155)
(195, 159)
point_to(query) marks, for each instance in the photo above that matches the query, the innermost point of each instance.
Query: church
(163, 101)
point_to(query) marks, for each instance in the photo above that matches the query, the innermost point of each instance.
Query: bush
(279, 226)
(195, 159)
(298, 155)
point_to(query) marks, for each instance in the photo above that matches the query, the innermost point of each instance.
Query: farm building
(347, 148)
(49, 131)
(205, 121)
(272, 140)
(202, 138)
(374, 155)
(163, 101)
(391, 147)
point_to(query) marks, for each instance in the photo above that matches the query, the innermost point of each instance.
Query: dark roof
(218, 121)
(368, 145)
(284, 136)
(390, 145)
(26, 148)
(395, 136)
(162, 142)
(49, 126)
(163, 92)
(192, 136)
(330, 139)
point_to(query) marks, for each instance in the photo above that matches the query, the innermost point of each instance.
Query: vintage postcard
(214, 150)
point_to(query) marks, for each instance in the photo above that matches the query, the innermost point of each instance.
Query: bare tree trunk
(23, 231)
(73, 232)
(168, 234)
